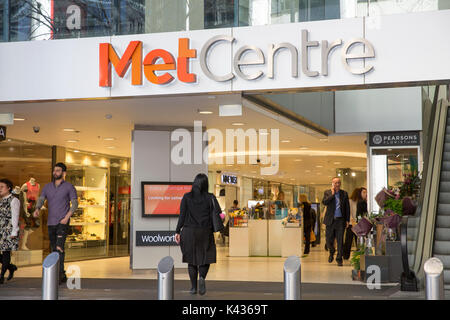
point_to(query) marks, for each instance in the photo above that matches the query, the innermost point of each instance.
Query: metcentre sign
(160, 66)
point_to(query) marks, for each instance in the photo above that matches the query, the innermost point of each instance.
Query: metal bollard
(50, 274)
(292, 278)
(166, 278)
(434, 279)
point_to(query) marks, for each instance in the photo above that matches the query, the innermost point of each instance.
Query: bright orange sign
(133, 56)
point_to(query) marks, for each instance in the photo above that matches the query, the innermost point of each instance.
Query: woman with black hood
(194, 231)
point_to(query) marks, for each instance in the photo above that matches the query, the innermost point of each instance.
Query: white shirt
(15, 212)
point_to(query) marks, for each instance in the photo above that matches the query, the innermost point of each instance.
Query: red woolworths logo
(133, 56)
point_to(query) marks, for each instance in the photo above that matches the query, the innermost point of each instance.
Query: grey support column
(434, 279)
(166, 278)
(292, 278)
(50, 277)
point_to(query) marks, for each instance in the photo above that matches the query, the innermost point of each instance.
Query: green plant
(356, 257)
(394, 205)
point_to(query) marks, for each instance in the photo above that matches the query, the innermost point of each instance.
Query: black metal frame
(408, 280)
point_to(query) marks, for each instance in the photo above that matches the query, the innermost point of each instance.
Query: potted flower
(355, 261)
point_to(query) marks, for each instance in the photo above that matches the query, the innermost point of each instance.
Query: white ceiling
(89, 118)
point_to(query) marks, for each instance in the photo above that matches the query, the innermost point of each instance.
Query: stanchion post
(434, 279)
(292, 278)
(166, 274)
(50, 274)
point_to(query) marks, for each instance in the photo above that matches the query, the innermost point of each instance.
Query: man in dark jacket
(337, 218)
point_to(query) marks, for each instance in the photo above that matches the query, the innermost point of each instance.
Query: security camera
(218, 171)
(36, 129)
(258, 160)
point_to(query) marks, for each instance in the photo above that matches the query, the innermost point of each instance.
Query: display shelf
(91, 215)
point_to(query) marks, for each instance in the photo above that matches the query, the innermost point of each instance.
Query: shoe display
(12, 269)
(202, 286)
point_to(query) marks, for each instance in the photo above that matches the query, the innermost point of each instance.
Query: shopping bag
(313, 237)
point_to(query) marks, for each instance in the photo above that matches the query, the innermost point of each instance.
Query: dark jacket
(330, 201)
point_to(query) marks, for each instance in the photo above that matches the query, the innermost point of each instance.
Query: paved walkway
(128, 289)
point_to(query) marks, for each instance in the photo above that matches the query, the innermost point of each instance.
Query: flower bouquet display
(238, 218)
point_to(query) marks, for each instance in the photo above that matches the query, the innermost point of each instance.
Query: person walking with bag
(9, 227)
(308, 221)
(199, 219)
(336, 219)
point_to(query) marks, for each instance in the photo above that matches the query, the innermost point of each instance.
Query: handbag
(312, 237)
(217, 223)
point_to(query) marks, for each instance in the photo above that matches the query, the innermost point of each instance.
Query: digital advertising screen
(163, 198)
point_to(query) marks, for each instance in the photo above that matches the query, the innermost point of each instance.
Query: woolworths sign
(155, 238)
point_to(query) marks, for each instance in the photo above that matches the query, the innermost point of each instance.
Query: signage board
(394, 139)
(155, 238)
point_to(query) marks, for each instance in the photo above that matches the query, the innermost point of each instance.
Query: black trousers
(5, 258)
(307, 233)
(57, 236)
(195, 270)
(336, 231)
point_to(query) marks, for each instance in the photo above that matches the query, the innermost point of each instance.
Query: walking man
(337, 218)
(59, 195)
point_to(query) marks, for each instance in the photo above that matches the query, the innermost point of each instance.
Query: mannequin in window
(29, 195)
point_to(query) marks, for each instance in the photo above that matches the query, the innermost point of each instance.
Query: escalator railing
(418, 236)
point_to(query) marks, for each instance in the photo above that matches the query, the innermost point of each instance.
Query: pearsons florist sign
(394, 139)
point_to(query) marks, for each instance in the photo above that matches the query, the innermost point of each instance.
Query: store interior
(96, 137)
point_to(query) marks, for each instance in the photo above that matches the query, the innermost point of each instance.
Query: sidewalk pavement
(129, 289)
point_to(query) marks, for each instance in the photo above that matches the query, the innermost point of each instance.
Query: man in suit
(337, 218)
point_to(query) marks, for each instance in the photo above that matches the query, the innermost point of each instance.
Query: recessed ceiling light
(111, 147)
(264, 133)
(229, 165)
(109, 139)
(285, 141)
(19, 119)
(205, 112)
(72, 141)
(69, 130)
(324, 140)
(237, 124)
(336, 162)
(303, 148)
(319, 166)
(298, 160)
(307, 170)
(93, 154)
(76, 151)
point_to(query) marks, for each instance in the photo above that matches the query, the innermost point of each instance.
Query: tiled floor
(315, 269)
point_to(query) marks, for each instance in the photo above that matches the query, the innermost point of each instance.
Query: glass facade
(23, 20)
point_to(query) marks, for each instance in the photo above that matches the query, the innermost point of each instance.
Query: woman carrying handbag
(199, 219)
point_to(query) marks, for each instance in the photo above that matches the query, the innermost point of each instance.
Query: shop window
(28, 166)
